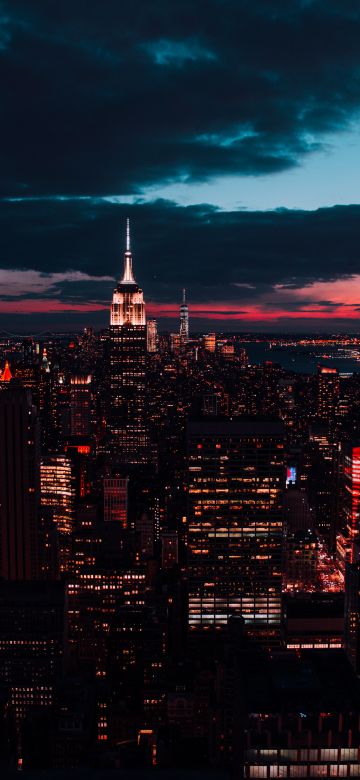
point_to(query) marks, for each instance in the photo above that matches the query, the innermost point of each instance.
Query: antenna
(128, 235)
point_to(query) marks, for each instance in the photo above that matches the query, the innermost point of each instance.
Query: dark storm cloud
(219, 256)
(111, 97)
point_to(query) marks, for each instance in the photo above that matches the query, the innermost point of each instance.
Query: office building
(210, 342)
(32, 645)
(58, 493)
(236, 478)
(80, 405)
(115, 500)
(328, 392)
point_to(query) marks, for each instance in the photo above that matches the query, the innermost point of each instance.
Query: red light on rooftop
(6, 374)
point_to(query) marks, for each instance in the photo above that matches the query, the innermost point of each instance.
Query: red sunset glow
(337, 299)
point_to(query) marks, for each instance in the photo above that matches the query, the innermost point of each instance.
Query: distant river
(304, 360)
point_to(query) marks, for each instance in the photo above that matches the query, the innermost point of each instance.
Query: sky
(227, 130)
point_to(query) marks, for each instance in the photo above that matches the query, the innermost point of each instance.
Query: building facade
(235, 486)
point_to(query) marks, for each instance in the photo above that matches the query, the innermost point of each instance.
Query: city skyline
(180, 389)
(231, 146)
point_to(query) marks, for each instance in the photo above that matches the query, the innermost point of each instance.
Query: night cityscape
(179, 389)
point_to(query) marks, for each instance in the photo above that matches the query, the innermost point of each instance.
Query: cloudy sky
(227, 130)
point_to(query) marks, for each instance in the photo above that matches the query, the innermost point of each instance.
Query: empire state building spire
(128, 276)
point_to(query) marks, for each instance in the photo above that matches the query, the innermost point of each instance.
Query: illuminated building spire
(184, 319)
(128, 276)
(128, 306)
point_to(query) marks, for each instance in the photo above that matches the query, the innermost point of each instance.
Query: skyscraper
(328, 392)
(235, 484)
(58, 501)
(19, 485)
(80, 405)
(128, 345)
(184, 320)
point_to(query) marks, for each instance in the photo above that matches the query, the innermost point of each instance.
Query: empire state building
(128, 431)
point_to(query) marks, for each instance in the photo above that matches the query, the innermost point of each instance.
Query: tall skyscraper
(235, 486)
(19, 485)
(128, 346)
(184, 320)
(328, 392)
(80, 405)
(58, 501)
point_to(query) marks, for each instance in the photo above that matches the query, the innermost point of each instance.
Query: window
(258, 771)
(318, 770)
(313, 755)
(329, 754)
(289, 754)
(348, 754)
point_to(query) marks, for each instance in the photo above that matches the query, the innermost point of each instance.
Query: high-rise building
(352, 611)
(235, 485)
(151, 336)
(19, 485)
(210, 342)
(115, 500)
(32, 649)
(351, 495)
(80, 405)
(184, 320)
(328, 392)
(128, 346)
(32, 645)
(300, 558)
(175, 342)
(322, 456)
(58, 501)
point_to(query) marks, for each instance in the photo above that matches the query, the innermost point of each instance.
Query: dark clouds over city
(104, 104)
